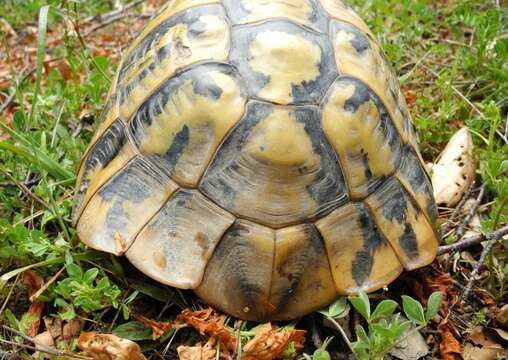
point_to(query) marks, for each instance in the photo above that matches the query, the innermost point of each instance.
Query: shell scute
(283, 62)
(181, 126)
(275, 168)
(175, 246)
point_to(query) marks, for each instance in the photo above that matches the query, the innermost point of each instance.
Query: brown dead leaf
(410, 96)
(33, 282)
(449, 347)
(472, 352)
(502, 315)
(158, 328)
(208, 322)
(109, 347)
(207, 351)
(483, 346)
(54, 326)
(270, 343)
(71, 329)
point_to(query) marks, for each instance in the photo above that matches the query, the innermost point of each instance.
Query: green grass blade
(35, 155)
(41, 52)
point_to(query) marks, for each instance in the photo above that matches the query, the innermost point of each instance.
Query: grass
(452, 59)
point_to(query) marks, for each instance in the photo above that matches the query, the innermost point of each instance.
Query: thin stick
(26, 190)
(46, 285)
(343, 334)
(491, 242)
(40, 347)
(7, 101)
(472, 211)
(6, 301)
(447, 227)
(472, 240)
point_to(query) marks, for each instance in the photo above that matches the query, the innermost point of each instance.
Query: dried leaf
(270, 343)
(71, 329)
(44, 339)
(502, 315)
(411, 347)
(158, 328)
(109, 347)
(472, 352)
(455, 170)
(33, 282)
(54, 326)
(449, 347)
(209, 322)
(198, 351)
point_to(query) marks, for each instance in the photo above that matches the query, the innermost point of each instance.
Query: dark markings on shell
(372, 239)
(360, 42)
(240, 13)
(332, 185)
(133, 184)
(100, 155)
(395, 204)
(190, 17)
(302, 93)
(228, 178)
(300, 262)
(413, 172)
(408, 242)
(202, 84)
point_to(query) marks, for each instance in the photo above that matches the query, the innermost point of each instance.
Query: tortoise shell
(259, 152)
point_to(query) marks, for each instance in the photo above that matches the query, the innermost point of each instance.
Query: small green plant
(321, 353)
(83, 290)
(385, 328)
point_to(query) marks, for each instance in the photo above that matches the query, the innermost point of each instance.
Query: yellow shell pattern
(261, 153)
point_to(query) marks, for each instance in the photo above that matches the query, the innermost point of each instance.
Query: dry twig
(461, 230)
(450, 223)
(472, 240)
(492, 239)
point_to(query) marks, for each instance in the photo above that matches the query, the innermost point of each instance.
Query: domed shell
(261, 153)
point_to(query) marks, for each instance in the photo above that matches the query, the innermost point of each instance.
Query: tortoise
(261, 153)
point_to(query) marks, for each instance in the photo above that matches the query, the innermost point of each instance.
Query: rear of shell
(261, 153)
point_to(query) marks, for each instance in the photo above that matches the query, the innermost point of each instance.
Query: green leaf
(320, 354)
(90, 275)
(361, 304)
(133, 330)
(361, 334)
(74, 271)
(384, 308)
(413, 310)
(433, 305)
(337, 309)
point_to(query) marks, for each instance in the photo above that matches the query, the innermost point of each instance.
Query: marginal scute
(358, 127)
(175, 246)
(182, 124)
(415, 180)
(108, 156)
(304, 12)
(122, 206)
(197, 34)
(404, 224)
(360, 256)
(301, 271)
(275, 168)
(238, 276)
(283, 62)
